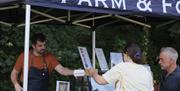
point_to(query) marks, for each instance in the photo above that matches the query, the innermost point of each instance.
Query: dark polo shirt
(172, 81)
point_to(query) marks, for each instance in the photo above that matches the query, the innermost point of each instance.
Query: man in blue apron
(41, 65)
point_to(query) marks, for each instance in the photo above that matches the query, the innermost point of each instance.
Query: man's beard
(42, 52)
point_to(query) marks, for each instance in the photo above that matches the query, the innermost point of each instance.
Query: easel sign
(115, 58)
(62, 86)
(85, 57)
(101, 59)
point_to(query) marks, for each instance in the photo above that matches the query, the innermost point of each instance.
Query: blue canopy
(140, 10)
(168, 8)
(133, 7)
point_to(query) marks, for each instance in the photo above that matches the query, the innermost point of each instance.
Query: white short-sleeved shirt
(130, 77)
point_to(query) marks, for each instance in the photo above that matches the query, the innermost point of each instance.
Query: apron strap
(43, 60)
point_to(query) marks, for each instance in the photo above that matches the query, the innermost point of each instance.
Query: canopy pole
(133, 21)
(4, 23)
(166, 23)
(82, 25)
(47, 15)
(10, 7)
(93, 18)
(93, 47)
(26, 47)
(69, 15)
(44, 20)
(93, 43)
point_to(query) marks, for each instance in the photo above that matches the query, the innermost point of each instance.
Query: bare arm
(63, 70)
(98, 78)
(14, 77)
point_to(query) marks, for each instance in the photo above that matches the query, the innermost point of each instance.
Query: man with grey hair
(171, 76)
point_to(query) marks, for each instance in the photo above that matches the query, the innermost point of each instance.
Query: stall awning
(170, 8)
(78, 11)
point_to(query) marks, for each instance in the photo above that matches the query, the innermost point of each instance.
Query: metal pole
(26, 47)
(93, 18)
(5, 23)
(93, 47)
(133, 21)
(10, 7)
(93, 42)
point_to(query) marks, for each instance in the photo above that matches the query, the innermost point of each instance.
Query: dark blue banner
(135, 7)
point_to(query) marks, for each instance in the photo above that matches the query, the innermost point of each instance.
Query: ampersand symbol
(146, 5)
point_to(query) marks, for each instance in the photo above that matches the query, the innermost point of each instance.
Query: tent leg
(93, 47)
(26, 47)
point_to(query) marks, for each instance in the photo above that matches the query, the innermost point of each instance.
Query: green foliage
(8, 53)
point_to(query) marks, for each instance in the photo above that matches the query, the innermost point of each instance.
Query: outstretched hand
(91, 72)
(94, 74)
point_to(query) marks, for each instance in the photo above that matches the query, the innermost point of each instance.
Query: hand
(18, 87)
(91, 72)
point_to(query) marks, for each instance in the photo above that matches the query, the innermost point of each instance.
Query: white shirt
(130, 77)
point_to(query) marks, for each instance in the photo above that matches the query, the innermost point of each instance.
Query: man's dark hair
(38, 37)
(133, 50)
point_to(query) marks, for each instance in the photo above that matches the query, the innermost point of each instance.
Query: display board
(115, 58)
(85, 57)
(62, 86)
(101, 59)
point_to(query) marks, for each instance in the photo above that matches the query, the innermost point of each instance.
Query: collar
(174, 72)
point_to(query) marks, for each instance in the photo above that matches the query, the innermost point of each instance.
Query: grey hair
(172, 53)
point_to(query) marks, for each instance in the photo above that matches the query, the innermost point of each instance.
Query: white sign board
(85, 57)
(101, 59)
(62, 86)
(115, 58)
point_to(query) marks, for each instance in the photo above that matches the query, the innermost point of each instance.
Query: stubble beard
(42, 52)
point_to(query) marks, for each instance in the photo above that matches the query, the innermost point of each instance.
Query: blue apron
(38, 79)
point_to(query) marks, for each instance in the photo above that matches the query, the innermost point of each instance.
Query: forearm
(14, 76)
(63, 70)
(67, 71)
(99, 79)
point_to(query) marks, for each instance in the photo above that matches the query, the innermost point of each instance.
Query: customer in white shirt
(130, 75)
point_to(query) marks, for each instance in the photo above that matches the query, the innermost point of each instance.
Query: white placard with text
(101, 59)
(85, 57)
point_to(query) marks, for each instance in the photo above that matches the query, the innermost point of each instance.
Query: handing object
(79, 73)
(91, 72)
